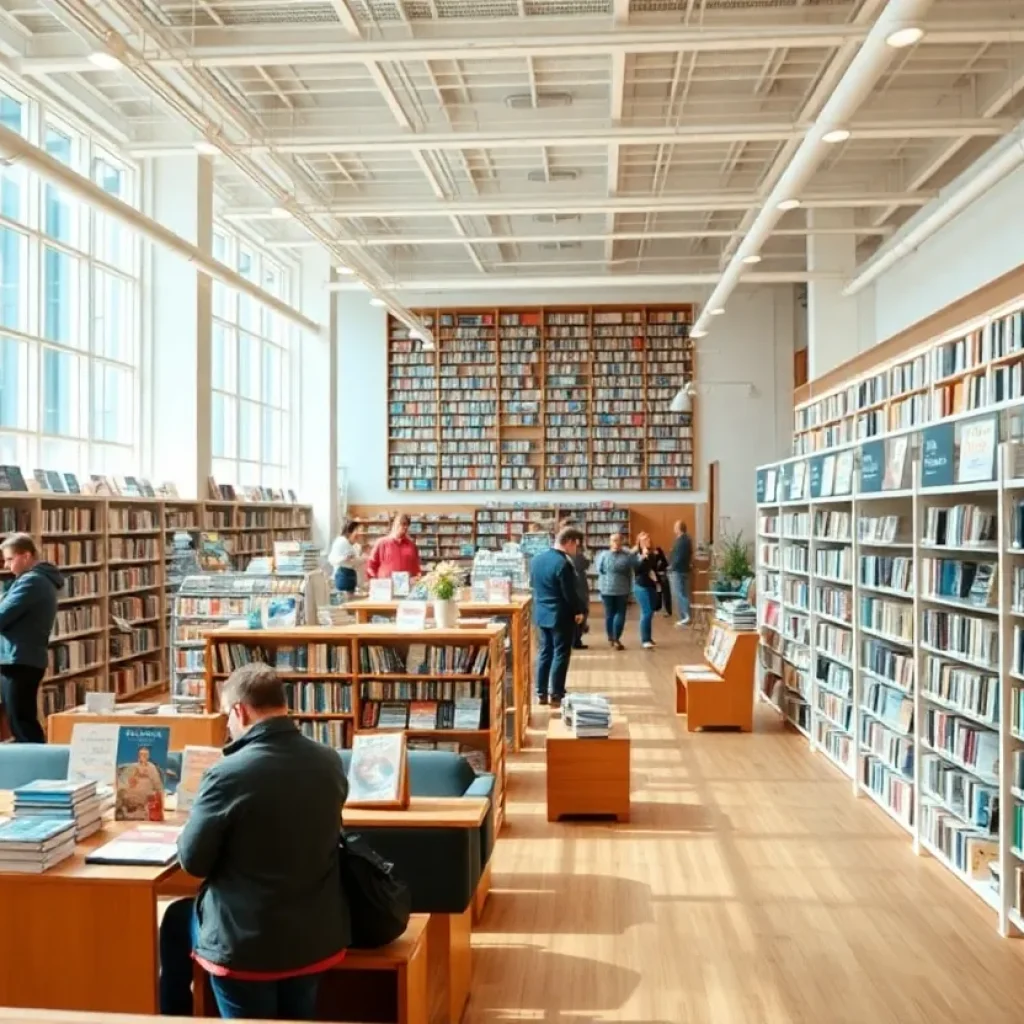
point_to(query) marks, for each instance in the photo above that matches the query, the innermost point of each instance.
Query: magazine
(141, 773)
(377, 772)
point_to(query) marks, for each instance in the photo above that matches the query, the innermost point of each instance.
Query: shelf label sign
(816, 470)
(938, 454)
(762, 486)
(872, 466)
(978, 441)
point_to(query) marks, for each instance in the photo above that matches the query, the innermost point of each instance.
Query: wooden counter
(187, 730)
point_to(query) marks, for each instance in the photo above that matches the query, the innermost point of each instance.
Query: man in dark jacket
(558, 609)
(27, 612)
(679, 561)
(263, 833)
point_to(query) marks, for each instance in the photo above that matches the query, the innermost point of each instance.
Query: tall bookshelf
(541, 399)
(912, 659)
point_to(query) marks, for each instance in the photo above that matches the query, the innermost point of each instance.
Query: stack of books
(61, 800)
(588, 715)
(737, 614)
(34, 845)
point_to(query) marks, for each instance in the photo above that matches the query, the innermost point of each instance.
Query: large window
(250, 378)
(69, 301)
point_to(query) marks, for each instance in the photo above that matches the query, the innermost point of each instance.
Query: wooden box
(588, 777)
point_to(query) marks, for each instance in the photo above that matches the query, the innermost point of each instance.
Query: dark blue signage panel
(815, 471)
(762, 485)
(872, 467)
(938, 455)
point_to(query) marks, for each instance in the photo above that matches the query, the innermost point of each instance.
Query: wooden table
(588, 777)
(187, 730)
(519, 612)
(108, 961)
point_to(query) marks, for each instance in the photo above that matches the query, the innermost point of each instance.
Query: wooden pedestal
(590, 777)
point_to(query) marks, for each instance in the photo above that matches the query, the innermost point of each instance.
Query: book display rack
(442, 687)
(520, 399)
(977, 366)
(249, 530)
(717, 694)
(889, 609)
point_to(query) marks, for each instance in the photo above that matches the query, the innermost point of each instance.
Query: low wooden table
(588, 777)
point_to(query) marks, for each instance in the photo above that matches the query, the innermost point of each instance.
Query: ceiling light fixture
(104, 60)
(836, 136)
(698, 333)
(345, 271)
(904, 37)
(788, 204)
(717, 311)
(681, 402)
(206, 148)
(377, 302)
(279, 212)
(752, 259)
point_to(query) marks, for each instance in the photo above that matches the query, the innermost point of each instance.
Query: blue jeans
(679, 583)
(645, 599)
(614, 614)
(345, 580)
(553, 659)
(176, 960)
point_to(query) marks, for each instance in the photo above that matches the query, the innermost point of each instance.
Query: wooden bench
(392, 979)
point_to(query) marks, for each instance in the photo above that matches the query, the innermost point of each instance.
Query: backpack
(379, 903)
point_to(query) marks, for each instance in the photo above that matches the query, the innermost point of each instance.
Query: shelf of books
(442, 687)
(976, 366)
(899, 629)
(556, 399)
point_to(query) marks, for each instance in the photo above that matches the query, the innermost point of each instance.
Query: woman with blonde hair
(645, 587)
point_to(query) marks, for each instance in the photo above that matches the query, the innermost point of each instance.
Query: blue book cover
(56, 791)
(141, 774)
(33, 831)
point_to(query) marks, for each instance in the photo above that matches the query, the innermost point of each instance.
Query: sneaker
(542, 698)
(649, 646)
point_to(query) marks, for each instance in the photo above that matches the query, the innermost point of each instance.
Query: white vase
(446, 614)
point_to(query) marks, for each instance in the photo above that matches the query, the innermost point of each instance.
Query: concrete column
(316, 414)
(180, 196)
(833, 335)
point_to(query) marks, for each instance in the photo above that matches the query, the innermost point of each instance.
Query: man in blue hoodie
(27, 612)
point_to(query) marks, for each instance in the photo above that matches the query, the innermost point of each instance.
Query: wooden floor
(749, 886)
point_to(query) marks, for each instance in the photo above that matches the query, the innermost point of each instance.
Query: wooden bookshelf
(333, 699)
(541, 399)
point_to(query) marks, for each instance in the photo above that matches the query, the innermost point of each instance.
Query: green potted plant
(442, 584)
(732, 562)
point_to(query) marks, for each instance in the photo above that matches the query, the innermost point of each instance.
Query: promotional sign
(872, 467)
(978, 442)
(938, 454)
(816, 472)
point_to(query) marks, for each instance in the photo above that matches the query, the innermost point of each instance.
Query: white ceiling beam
(228, 47)
(616, 102)
(376, 142)
(89, 105)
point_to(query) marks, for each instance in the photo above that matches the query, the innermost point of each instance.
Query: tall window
(69, 299)
(250, 378)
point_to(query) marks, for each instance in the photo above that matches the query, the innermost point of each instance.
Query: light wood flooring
(750, 885)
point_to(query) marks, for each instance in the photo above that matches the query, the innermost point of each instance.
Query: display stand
(720, 694)
(588, 777)
(187, 729)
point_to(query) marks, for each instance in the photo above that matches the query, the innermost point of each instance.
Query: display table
(187, 730)
(588, 777)
(719, 694)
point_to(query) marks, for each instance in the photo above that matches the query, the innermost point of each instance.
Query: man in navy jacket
(27, 612)
(557, 610)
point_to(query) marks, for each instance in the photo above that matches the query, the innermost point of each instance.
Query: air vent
(524, 100)
(541, 175)
(560, 246)
(554, 218)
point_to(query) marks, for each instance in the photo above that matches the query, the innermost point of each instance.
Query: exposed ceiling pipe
(851, 91)
(1004, 158)
(19, 149)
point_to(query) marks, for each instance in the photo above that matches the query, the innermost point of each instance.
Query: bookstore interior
(320, 322)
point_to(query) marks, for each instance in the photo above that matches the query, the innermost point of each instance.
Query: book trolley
(719, 694)
(370, 677)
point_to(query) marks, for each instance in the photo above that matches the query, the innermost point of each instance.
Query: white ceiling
(452, 140)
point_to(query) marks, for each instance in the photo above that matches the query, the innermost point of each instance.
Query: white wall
(752, 342)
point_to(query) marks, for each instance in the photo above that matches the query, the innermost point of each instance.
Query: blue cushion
(21, 763)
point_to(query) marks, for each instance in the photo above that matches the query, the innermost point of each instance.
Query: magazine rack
(720, 693)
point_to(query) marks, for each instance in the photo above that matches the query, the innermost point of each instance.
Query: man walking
(27, 612)
(557, 610)
(679, 562)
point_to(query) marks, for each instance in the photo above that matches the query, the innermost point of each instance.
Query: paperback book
(378, 775)
(141, 773)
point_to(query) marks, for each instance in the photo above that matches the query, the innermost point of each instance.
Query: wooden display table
(188, 730)
(519, 612)
(720, 693)
(588, 777)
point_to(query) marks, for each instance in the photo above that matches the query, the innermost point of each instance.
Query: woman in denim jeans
(645, 587)
(614, 579)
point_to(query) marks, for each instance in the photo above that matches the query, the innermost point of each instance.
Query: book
(145, 846)
(400, 584)
(377, 774)
(93, 756)
(194, 763)
(423, 714)
(141, 772)
(34, 835)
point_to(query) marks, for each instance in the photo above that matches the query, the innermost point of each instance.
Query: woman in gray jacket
(615, 581)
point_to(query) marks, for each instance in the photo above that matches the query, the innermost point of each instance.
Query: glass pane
(248, 474)
(60, 297)
(246, 263)
(272, 374)
(113, 336)
(223, 357)
(220, 246)
(248, 430)
(248, 313)
(13, 246)
(14, 450)
(114, 459)
(60, 381)
(225, 471)
(222, 440)
(273, 441)
(58, 206)
(109, 177)
(12, 179)
(13, 381)
(61, 454)
(249, 366)
(222, 298)
(111, 402)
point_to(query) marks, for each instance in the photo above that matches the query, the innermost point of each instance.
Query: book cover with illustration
(194, 763)
(377, 775)
(141, 772)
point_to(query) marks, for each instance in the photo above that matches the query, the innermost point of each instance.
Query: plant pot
(446, 613)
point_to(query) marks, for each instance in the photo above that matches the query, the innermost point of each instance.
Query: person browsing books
(557, 610)
(680, 560)
(581, 564)
(614, 582)
(645, 587)
(346, 556)
(27, 614)
(396, 552)
(263, 833)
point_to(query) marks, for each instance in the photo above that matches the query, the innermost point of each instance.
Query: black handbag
(379, 903)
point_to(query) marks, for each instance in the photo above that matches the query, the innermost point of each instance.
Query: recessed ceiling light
(376, 302)
(104, 61)
(698, 333)
(206, 148)
(346, 271)
(752, 259)
(789, 204)
(718, 311)
(904, 37)
(836, 135)
(279, 212)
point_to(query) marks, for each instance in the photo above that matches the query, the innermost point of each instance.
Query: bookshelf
(541, 399)
(976, 366)
(371, 677)
(915, 572)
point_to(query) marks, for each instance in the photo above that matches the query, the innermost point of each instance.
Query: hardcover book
(141, 772)
(377, 775)
(194, 763)
(145, 846)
